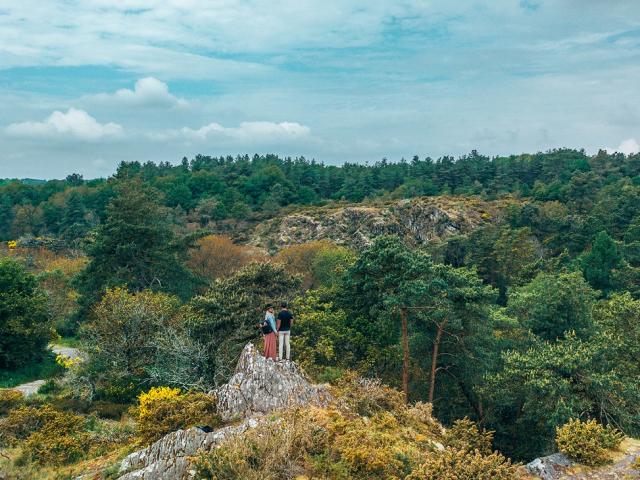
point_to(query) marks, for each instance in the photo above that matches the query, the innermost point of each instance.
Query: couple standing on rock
(280, 325)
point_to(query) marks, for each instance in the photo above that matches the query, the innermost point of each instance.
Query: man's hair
(283, 305)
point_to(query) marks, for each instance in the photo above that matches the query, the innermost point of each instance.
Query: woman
(269, 331)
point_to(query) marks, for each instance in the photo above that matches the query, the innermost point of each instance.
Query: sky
(85, 85)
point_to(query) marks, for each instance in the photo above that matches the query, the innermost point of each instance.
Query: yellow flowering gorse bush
(164, 409)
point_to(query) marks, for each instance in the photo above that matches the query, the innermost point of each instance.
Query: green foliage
(452, 464)
(587, 442)
(599, 262)
(164, 410)
(465, 435)
(334, 443)
(24, 326)
(553, 304)
(231, 309)
(133, 339)
(135, 247)
(45, 368)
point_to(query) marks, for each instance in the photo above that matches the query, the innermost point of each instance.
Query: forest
(519, 326)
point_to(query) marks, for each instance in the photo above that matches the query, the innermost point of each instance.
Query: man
(284, 322)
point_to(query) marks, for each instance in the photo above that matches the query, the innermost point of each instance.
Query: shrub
(9, 399)
(326, 443)
(366, 396)
(51, 437)
(110, 410)
(162, 410)
(587, 442)
(453, 464)
(465, 435)
(51, 446)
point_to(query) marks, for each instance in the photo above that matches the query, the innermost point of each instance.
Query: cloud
(147, 92)
(76, 124)
(253, 132)
(627, 147)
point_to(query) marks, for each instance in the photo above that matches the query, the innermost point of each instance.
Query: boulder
(551, 467)
(260, 385)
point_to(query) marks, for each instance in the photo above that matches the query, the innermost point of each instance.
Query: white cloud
(75, 123)
(251, 132)
(147, 92)
(627, 147)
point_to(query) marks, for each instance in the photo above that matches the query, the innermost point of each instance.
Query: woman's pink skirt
(270, 346)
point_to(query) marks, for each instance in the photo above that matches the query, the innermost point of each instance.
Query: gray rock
(168, 458)
(261, 385)
(550, 467)
(258, 386)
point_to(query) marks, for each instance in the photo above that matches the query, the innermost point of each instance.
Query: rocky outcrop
(418, 221)
(168, 458)
(259, 386)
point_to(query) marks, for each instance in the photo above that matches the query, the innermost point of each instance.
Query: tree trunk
(405, 355)
(434, 360)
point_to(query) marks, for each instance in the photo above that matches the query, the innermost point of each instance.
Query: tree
(135, 247)
(390, 282)
(317, 261)
(216, 256)
(24, 326)
(553, 304)
(231, 309)
(599, 262)
(133, 341)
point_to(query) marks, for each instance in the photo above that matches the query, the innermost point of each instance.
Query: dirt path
(31, 388)
(621, 468)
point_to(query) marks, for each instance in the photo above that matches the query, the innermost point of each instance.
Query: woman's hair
(269, 305)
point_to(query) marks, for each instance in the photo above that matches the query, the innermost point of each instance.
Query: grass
(47, 368)
(73, 342)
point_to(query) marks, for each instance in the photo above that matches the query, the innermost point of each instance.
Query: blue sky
(87, 84)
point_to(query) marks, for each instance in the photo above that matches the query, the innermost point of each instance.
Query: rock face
(168, 458)
(259, 386)
(418, 221)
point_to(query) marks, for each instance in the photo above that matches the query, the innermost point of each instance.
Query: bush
(366, 396)
(9, 399)
(453, 464)
(162, 410)
(51, 437)
(587, 442)
(327, 443)
(110, 410)
(465, 435)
